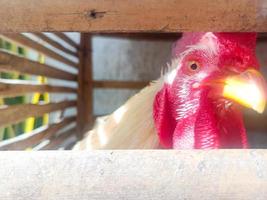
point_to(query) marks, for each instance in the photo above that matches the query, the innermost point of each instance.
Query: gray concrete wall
(121, 59)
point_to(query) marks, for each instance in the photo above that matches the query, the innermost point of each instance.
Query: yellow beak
(247, 89)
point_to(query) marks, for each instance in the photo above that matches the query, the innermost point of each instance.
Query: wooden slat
(35, 137)
(132, 16)
(66, 39)
(55, 44)
(85, 86)
(55, 142)
(13, 88)
(134, 175)
(10, 62)
(171, 37)
(16, 113)
(120, 84)
(38, 47)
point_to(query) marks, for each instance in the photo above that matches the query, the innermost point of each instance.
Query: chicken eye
(194, 66)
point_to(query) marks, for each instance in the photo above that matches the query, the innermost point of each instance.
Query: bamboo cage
(222, 174)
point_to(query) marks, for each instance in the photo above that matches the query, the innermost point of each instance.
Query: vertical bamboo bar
(85, 90)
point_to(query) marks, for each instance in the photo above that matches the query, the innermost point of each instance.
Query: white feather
(129, 127)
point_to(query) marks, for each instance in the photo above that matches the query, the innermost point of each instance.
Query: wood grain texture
(132, 16)
(11, 88)
(16, 113)
(23, 40)
(55, 44)
(120, 84)
(12, 63)
(85, 85)
(33, 138)
(134, 175)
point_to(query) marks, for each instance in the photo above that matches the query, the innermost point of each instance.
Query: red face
(196, 108)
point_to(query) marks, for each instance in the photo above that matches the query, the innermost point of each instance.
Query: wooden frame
(102, 18)
(132, 16)
(85, 89)
(222, 174)
(120, 84)
(104, 22)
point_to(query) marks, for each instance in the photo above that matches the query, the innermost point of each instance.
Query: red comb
(247, 40)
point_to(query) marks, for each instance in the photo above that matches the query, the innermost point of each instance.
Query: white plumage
(129, 127)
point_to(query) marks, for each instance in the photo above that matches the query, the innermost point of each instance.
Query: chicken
(194, 104)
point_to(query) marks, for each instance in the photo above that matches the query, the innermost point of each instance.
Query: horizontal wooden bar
(23, 40)
(142, 36)
(132, 16)
(65, 38)
(56, 44)
(33, 138)
(134, 175)
(16, 113)
(171, 37)
(120, 84)
(13, 88)
(55, 142)
(10, 62)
